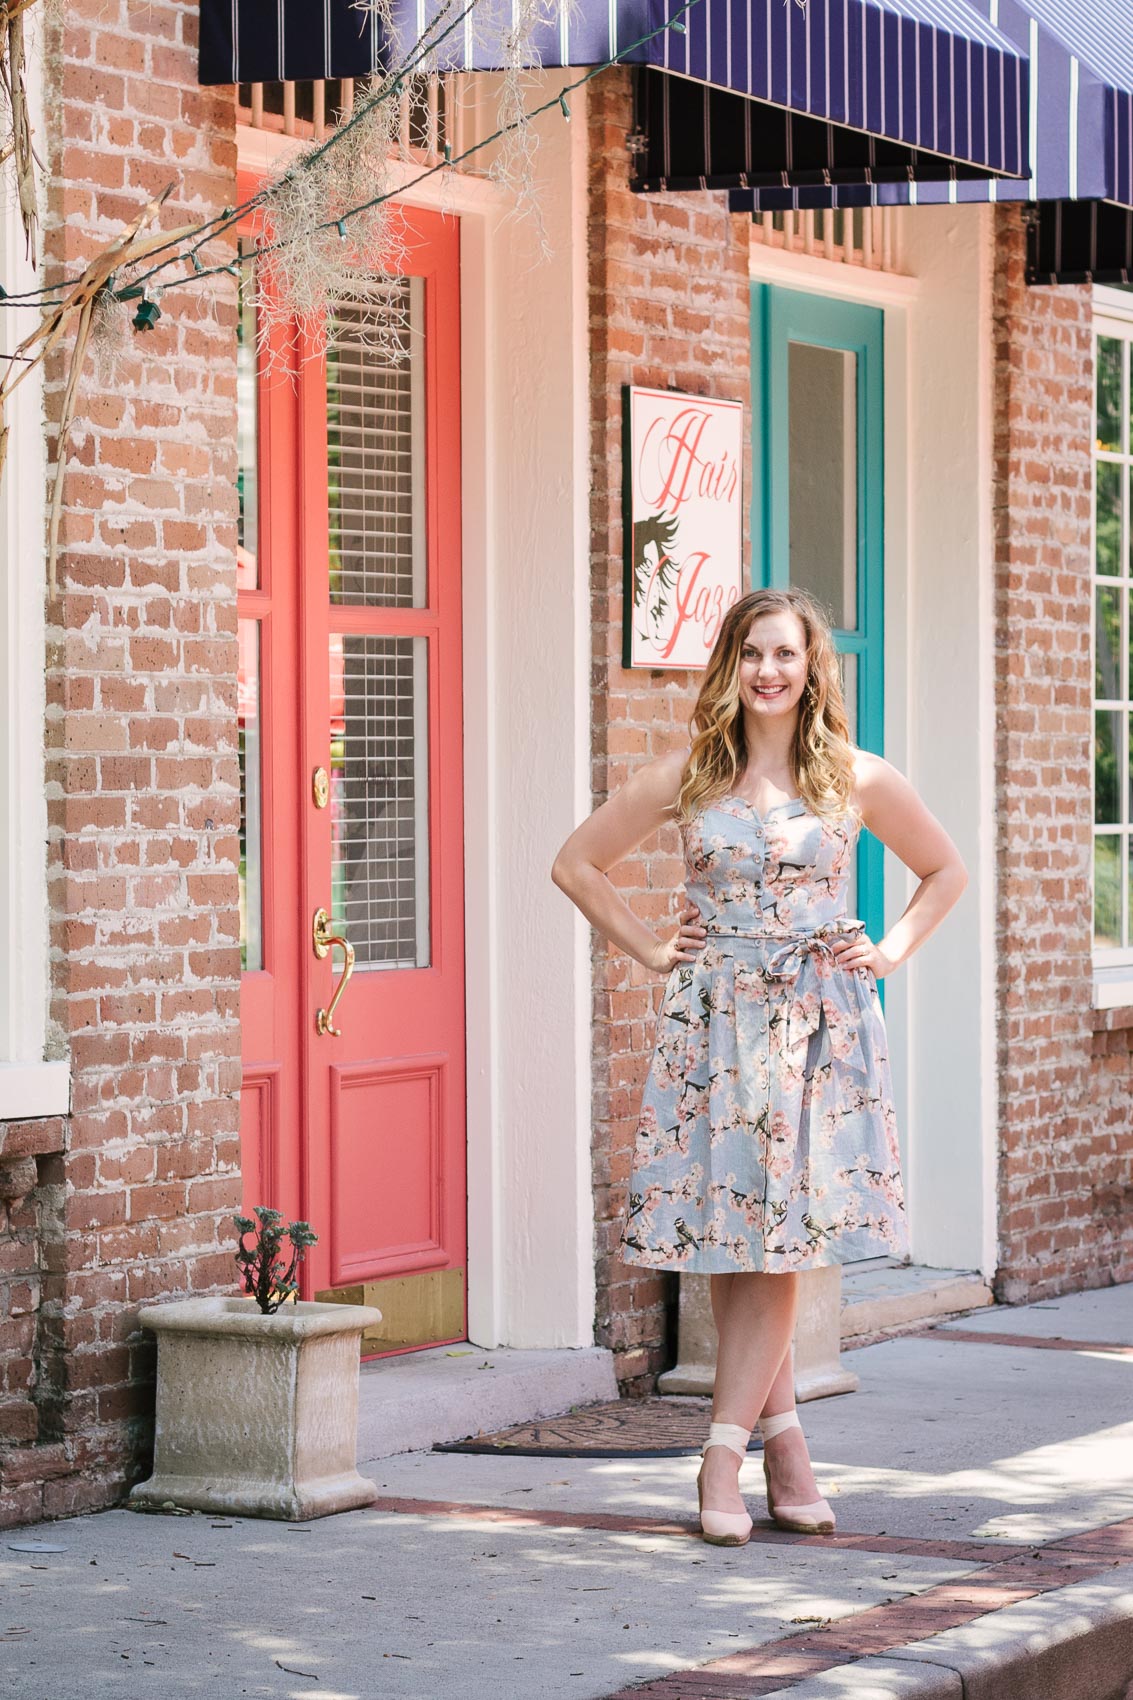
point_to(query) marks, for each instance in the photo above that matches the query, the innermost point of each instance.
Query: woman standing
(767, 1142)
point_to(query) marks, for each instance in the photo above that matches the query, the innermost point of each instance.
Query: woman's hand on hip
(685, 944)
(855, 951)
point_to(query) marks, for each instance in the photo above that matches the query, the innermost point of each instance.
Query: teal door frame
(779, 317)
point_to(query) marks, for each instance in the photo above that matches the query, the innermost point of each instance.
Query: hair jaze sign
(683, 505)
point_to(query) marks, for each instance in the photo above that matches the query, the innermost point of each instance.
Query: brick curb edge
(1070, 1643)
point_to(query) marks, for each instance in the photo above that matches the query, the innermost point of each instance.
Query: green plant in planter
(266, 1270)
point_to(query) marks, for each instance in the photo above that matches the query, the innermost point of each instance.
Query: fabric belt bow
(829, 1009)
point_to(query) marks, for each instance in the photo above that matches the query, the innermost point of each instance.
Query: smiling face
(773, 665)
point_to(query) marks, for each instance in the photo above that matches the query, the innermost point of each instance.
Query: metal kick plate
(417, 1310)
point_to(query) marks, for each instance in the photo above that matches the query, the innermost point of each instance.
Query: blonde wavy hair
(822, 756)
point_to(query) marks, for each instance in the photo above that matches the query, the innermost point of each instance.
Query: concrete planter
(818, 1371)
(257, 1415)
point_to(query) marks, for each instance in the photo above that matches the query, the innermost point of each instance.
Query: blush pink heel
(814, 1519)
(725, 1528)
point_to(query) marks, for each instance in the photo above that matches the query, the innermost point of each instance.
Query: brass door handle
(322, 938)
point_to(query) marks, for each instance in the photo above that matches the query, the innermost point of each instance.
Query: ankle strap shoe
(725, 1528)
(814, 1519)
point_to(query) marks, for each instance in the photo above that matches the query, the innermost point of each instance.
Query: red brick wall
(1065, 1070)
(31, 1193)
(141, 764)
(669, 305)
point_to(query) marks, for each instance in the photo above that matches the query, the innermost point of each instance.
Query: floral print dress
(767, 1138)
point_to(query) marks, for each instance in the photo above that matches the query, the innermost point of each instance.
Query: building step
(882, 1297)
(408, 1403)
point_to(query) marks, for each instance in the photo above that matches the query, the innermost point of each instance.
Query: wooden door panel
(259, 1134)
(387, 1121)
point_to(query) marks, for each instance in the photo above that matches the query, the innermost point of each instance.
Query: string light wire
(210, 229)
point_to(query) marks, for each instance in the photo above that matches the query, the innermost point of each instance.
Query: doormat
(619, 1428)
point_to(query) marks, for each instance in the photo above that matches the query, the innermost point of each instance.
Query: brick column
(669, 306)
(142, 775)
(1065, 1070)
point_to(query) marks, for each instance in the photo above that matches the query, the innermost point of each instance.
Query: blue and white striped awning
(933, 75)
(1080, 121)
(1086, 49)
(692, 136)
(265, 41)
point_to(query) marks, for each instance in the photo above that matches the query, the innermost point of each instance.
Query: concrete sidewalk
(971, 1475)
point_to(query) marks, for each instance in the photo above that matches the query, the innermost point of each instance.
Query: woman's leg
(788, 1461)
(781, 1394)
(755, 1320)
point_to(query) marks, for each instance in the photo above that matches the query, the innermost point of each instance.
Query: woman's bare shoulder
(872, 768)
(875, 778)
(660, 780)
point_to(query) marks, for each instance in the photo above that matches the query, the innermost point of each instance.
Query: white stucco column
(949, 709)
(527, 760)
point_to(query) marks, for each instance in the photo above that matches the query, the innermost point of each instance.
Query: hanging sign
(683, 511)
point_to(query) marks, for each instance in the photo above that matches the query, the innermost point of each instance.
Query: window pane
(251, 840)
(1109, 393)
(1107, 741)
(380, 798)
(247, 413)
(1107, 643)
(1107, 892)
(1107, 546)
(823, 457)
(376, 453)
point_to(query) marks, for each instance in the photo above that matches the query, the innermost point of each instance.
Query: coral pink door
(361, 862)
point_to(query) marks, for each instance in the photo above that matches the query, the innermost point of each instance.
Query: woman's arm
(895, 813)
(643, 805)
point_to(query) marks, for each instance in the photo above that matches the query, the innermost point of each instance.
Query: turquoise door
(817, 516)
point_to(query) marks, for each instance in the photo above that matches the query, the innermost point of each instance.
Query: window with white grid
(376, 453)
(379, 798)
(1113, 682)
(379, 732)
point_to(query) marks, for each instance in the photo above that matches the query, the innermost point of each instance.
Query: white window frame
(1113, 969)
(31, 1083)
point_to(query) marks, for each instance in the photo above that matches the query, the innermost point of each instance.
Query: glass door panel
(247, 435)
(249, 717)
(379, 798)
(376, 461)
(823, 477)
